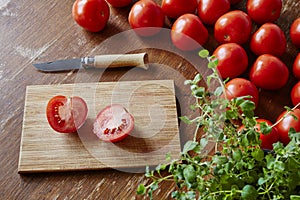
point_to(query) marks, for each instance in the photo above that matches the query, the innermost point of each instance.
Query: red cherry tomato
(268, 72)
(296, 67)
(234, 26)
(114, 123)
(295, 94)
(91, 14)
(209, 11)
(148, 16)
(262, 11)
(268, 39)
(176, 8)
(233, 2)
(287, 123)
(66, 115)
(295, 32)
(188, 32)
(239, 87)
(267, 140)
(119, 3)
(232, 60)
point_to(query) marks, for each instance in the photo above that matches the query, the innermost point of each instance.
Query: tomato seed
(106, 131)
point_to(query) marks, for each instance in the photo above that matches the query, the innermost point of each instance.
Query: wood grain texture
(152, 103)
(38, 31)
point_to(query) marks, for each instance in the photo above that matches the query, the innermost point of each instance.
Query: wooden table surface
(37, 31)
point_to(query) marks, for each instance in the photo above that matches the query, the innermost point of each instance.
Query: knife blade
(98, 61)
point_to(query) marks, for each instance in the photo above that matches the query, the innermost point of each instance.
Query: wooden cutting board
(152, 103)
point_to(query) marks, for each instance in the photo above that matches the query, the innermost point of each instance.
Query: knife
(98, 61)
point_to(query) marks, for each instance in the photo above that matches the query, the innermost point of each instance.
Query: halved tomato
(66, 114)
(114, 123)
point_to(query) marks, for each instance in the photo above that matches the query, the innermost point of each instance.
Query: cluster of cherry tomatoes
(233, 30)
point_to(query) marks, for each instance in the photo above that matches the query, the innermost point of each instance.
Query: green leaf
(189, 173)
(186, 120)
(203, 53)
(249, 193)
(265, 128)
(295, 197)
(189, 146)
(258, 154)
(141, 189)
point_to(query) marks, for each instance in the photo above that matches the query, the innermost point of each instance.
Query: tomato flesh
(114, 123)
(66, 115)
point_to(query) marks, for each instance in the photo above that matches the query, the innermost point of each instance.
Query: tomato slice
(66, 115)
(114, 123)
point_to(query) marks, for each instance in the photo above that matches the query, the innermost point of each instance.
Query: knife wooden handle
(121, 60)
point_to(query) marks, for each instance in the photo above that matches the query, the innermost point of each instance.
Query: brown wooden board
(152, 103)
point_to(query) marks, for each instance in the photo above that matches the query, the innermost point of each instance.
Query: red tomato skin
(268, 39)
(106, 116)
(286, 123)
(234, 26)
(119, 3)
(233, 2)
(232, 60)
(188, 32)
(268, 72)
(295, 32)
(238, 87)
(146, 14)
(267, 140)
(295, 94)
(75, 117)
(176, 8)
(263, 11)
(209, 11)
(296, 67)
(92, 15)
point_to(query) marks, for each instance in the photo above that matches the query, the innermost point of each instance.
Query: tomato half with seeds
(114, 123)
(66, 114)
(234, 26)
(288, 121)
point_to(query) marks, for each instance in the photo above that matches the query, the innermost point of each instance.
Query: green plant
(237, 168)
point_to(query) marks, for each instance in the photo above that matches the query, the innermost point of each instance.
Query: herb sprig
(237, 168)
